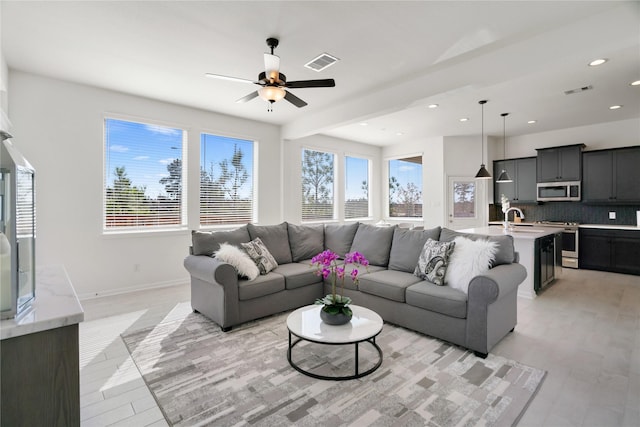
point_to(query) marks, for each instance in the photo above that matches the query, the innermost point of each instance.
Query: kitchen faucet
(506, 216)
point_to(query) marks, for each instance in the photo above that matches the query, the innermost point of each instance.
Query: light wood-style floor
(584, 330)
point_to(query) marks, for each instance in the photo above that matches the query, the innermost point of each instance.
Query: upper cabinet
(560, 163)
(612, 176)
(523, 173)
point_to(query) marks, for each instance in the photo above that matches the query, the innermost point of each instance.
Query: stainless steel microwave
(559, 191)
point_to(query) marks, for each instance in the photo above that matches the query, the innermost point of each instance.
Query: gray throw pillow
(433, 261)
(374, 243)
(338, 238)
(275, 238)
(259, 253)
(506, 250)
(208, 242)
(306, 241)
(406, 246)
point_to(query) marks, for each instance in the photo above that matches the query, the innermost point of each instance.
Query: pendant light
(483, 173)
(504, 176)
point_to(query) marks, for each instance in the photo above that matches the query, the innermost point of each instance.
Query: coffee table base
(357, 374)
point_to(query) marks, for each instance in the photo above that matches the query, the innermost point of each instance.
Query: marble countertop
(603, 226)
(524, 233)
(56, 305)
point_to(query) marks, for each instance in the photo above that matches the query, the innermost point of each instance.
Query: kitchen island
(536, 256)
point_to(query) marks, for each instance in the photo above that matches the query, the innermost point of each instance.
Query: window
(464, 199)
(356, 200)
(226, 180)
(405, 187)
(317, 185)
(143, 176)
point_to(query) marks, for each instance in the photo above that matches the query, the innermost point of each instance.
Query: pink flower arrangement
(328, 265)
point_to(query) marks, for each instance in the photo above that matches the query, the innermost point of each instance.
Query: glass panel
(405, 187)
(317, 185)
(25, 233)
(464, 199)
(356, 204)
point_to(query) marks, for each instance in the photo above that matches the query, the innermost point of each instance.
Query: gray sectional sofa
(476, 320)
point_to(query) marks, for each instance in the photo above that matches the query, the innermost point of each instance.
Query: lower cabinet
(545, 262)
(617, 251)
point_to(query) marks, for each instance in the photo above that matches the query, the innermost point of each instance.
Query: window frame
(144, 230)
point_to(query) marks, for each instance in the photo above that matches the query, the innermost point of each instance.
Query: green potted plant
(335, 310)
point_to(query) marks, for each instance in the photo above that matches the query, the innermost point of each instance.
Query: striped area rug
(201, 376)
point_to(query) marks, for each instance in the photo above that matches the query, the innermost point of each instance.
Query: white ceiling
(395, 59)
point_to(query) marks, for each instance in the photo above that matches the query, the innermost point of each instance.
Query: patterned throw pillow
(433, 261)
(260, 255)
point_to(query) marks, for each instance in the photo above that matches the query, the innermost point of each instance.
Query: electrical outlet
(612, 215)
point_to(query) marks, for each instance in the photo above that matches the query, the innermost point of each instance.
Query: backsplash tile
(571, 211)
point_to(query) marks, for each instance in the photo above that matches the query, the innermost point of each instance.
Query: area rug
(201, 376)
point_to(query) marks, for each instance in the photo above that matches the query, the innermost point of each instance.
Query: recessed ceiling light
(532, 122)
(636, 83)
(464, 119)
(363, 124)
(433, 106)
(615, 107)
(597, 62)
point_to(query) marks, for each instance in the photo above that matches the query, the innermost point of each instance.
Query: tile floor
(584, 330)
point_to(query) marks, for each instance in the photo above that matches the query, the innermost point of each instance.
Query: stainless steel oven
(570, 244)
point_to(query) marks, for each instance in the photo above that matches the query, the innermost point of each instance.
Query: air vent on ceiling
(321, 62)
(578, 90)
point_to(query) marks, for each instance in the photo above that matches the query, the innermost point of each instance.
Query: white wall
(59, 127)
(292, 172)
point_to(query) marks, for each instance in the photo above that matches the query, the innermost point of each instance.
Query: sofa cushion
(260, 255)
(406, 246)
(207, 242)
(298, 275)
(263, 285)
(440, 299)
(239, 259)
(374, 243)
(389, 284)
(470, 258)
(433, 261)
(362, 272)
(338, 238)
(506, 252)
(306, 241)
(275, 238)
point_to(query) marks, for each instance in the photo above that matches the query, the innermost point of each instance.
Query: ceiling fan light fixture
(272, 93)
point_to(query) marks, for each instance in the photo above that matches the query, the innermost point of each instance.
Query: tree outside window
(317, 185)
(226, 180)
(405, 187)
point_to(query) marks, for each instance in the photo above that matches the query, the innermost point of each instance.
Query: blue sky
(356, 172)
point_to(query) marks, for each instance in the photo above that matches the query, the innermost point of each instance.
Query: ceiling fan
(273, 83)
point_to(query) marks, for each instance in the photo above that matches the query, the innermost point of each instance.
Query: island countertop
(525, 233)
(56, 305)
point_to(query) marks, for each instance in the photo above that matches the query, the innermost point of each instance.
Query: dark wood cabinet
(523, 173)
(610, 250)
(611, 176)
(545, 262)
(560, 163)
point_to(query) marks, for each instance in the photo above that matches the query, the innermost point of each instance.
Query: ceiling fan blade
(271, 65)
(233, 79)
(248, 97)
(311, 83)
(294, 100)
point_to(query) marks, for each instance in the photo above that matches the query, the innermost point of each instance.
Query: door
(627, 174)
(597, 179)
(526, 190)
(463, 202)
(547, 165)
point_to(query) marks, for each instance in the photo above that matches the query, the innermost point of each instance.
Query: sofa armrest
(214, 289)
(492, 306)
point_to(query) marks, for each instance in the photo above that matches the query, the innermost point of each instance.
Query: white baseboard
(129, 289)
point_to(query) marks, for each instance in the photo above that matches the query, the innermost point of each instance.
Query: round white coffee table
(305, 324)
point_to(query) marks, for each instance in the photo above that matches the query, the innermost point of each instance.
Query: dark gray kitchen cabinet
(611, 176)
(545, 262)
(523, 173)
(560, 163)
(617, 251)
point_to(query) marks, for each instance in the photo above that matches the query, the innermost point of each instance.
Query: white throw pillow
(238, 259)
(470, 258)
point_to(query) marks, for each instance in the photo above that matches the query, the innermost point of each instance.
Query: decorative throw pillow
(238, 259)
(260, 255)
(470, 258)
(433, 261)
